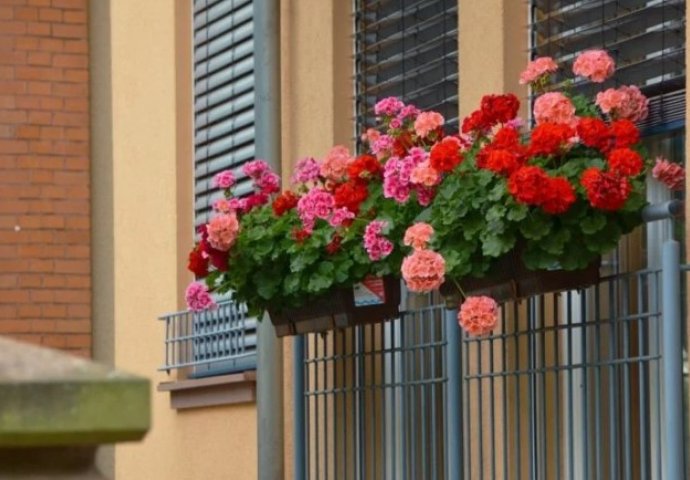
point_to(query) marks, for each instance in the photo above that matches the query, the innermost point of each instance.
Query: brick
(26, 43)
(52, 133)
(42, 326)
(28, 102)
(27, 280)
(40, 118)
(12, 87)
(26, 13)
(69, 89)
(55, 341)
(39, 88)
(8, 251)
(27, 131)
(29, 311)
(54, 311)
(11, 27)
(7, 281)
(78, 340)
(38, 28)
(37, 265)
(50, 15)
(80, 251)
(52, 221)
(39, 58)
(69, 31)
(71, 178)
(68, 206)
(71, 266)
(77, 223)
(6, 131)
(76, 46)
(38, 73)
(71, 61)
(73, 326)
(41, 176)
(6, 13)
(52, 45)
(14, 296)
(13, 146)
(8, 311)
(13, 58)
(70, 4)
(17, 177)
(76, 163)
(42, 296)
(14, 326)
(77, 133)
(71, 119)
(75, 17)
(76, 76)
(78, 281)
(39, 3)
(7, 73)
(73, 296)
(70, 148)
(7, 101)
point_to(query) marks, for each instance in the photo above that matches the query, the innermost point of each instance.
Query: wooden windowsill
(211, 391)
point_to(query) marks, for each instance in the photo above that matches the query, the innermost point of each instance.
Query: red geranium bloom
(500, 108)
(217, 258)
(364, 166)
(558, 197)
(605, 190)
(445, 156)
(625, 133)
(300, 234)
(350, 195)
(506, 137)
(594, 133)
(198, 263)
(475, 122)
(285, 201)
(499, 160)
(528, 185)
(550, 138)
(624, 161)
(402, 144)
(334, 245)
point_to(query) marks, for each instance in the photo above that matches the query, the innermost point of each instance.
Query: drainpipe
(269, 379)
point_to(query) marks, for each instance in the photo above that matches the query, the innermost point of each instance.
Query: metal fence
(216, 341)
(574, 385)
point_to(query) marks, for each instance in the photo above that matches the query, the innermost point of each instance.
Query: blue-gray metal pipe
(662, 211)
(454, 407)
(672, 361)
(299, 431)
(269, 378)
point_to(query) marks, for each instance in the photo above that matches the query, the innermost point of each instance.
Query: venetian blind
(223, 96)
(407, 49)
(645, 37)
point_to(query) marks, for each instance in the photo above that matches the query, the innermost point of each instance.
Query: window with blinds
(407, 49)
(646, 38)
(223, 96)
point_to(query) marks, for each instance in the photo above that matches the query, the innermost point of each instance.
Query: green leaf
(535, 226)
(300, 261)
(593, 223)
(517, 212)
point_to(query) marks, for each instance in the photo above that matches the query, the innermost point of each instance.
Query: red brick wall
(45, 279)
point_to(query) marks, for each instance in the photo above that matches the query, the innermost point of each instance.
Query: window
(222, 340)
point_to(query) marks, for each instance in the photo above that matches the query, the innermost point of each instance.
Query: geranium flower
(198, 298)
(418, 235)
(537, 68)
(596, 65)
(669, 173)
(478, 315)
(423, 271)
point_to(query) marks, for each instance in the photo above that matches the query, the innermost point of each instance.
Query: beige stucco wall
(138, 253)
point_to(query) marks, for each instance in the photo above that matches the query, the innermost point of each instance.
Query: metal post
(299, 438)
(269, 386)
(454, 407)
(672, 361)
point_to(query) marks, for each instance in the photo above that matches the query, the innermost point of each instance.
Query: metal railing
(581, 384)
(221, 340)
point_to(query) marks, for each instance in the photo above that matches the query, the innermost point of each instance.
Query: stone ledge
(50, 398)
(211, 391)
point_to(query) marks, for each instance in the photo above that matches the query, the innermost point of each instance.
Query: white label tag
(369, 292)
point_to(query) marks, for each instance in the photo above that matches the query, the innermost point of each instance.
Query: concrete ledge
(211, 391)
(50, 398)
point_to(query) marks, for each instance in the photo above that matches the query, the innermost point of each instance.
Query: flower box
(371, 301)
(509, 280)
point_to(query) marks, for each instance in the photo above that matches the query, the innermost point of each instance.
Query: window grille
(645, 37)
(407, 49)
(223, 96)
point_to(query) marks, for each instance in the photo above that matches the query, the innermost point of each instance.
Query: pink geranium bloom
(427, 122)
(554, 107)
(478, 315)
(596, 65)
(388, 106)
(197, 297)
(255, 168)
(423, 271)
(334, 166)
(317, 203)
(340, 216)
(424, 174)
(306, 170)
(222, 231)
(224, 179)
(669, 173)
(418, 235)
(376, 245)
(626, 102)
(537, 68)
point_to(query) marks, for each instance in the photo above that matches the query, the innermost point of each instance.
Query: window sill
(213, 391)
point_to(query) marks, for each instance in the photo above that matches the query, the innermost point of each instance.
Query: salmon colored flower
(669, 173)
(537, 68)
(554, 107)
(423, 270)
(478, 315)
(418, 235)
(596, 65)
(427, 122)
(222, 231)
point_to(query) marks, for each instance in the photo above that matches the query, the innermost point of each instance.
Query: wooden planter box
(372, 301)
(510, 280)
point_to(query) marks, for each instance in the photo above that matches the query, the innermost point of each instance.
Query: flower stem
(462, 292)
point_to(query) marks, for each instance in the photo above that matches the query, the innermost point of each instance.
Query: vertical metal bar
(434, 387)
(373, 347)
(359, 420)
(326, 394)
(307, 380)
(627, 459)
(543, 444)
(672, 361)
(597, 384)
(298, 411)
(453, 410)
(269, 383)
(423, 441)
(584, 315)
(518, 410)
(569, 340)
(557, 380)
(504, 383)
(642, 377)
(613, 398)
(345, 387)
(492, 392)
(317, 416)
(532, 387)
(480, 403)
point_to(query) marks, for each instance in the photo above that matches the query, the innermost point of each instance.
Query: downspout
(269, 380)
